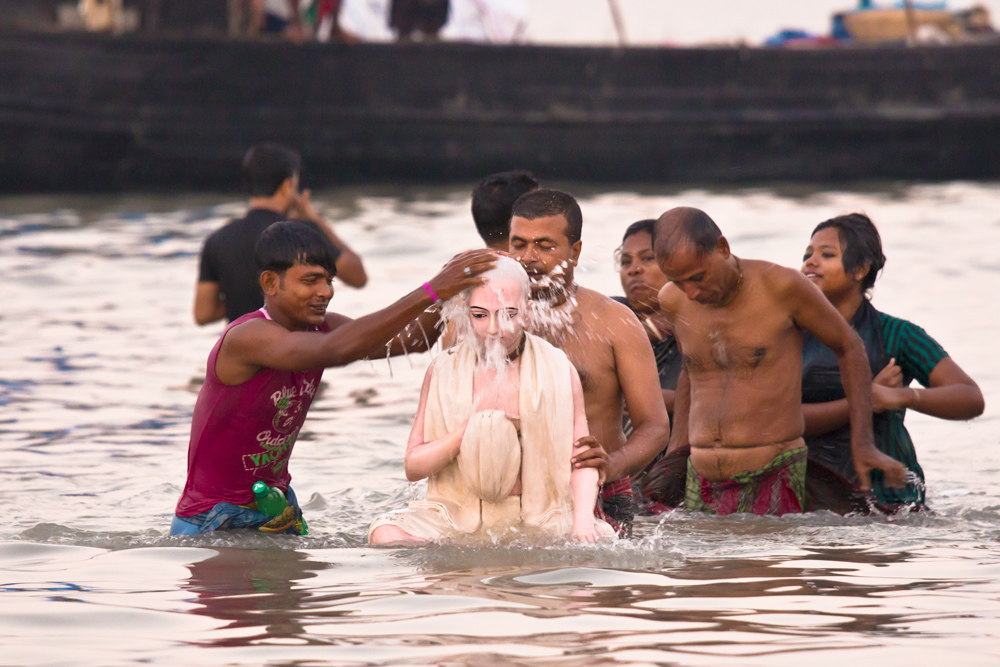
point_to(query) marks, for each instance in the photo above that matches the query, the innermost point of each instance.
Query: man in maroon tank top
(264, 371)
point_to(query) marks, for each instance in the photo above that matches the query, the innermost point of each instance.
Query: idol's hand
(457, 436)
(516, 421)
(462, 272)
(586, 532)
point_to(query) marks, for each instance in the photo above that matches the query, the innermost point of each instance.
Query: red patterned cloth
(777, 488)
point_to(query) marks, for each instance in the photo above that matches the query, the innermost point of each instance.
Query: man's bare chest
(733, 344)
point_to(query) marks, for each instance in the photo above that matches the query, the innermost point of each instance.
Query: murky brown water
(97, 357)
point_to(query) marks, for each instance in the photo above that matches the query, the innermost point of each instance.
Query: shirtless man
(494, 432)
(739, 324)
(602, 338)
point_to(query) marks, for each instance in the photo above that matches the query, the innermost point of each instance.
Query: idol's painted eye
(512, 313)
(479, 315)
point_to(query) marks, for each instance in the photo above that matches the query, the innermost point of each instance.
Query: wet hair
(287, 243)
(860, 244)
(546, 202)
(685, 226)
(647, 226)
(267, 166)
(492, 201)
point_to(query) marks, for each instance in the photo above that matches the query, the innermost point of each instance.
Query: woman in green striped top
(843, 259)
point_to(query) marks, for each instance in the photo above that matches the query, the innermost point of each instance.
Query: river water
(99, 365)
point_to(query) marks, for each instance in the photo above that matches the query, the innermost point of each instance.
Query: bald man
(739, 325)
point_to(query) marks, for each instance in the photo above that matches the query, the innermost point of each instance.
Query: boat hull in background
(83, 112)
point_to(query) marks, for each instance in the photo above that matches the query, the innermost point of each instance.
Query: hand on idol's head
(462, 272)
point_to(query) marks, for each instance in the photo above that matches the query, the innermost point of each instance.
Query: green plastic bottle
(270, 500)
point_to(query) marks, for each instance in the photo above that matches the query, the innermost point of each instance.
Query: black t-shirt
(227, 259)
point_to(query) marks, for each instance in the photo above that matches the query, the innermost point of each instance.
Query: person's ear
(269, 282)
(861, 272)
(722, 245)
(575, 250)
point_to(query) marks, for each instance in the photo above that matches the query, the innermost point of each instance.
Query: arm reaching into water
(639, 382)
(583, 482)
(423, 459)
(812, 312)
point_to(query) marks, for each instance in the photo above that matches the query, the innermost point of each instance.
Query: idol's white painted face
(497, 314)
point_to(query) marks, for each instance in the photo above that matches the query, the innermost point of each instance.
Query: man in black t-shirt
(228, 284)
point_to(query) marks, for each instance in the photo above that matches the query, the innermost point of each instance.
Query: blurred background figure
(284, 17)
(228, 280)
(424, 16)
(103, 15)
(245, 17)
(324, 16)
(492, 201)
(251, 18)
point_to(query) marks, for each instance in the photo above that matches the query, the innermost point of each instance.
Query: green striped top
(916, 354)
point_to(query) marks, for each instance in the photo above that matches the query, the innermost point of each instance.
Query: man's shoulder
(224, 234)
(777, 278)
(247, 325)
(672, 298)
(613, 317)
(601, 304)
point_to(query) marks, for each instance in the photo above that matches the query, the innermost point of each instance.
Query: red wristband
(431, 293)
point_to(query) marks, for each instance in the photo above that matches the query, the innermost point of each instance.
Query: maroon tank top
(244, 433)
